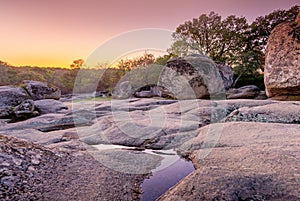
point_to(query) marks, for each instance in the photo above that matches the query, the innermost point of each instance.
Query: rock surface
(9, 98)
(33, 172)
(245, 92)
(17, 103)
(252, 161)
(12, 96)
(49, 106)
(40, 90)
(52, 122)
(282, 112)
(226, 74)
(244, 160)
(282, 72)
(194, 76)
(25, 110)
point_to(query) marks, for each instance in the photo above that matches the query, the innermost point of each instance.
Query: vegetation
(63, 78)
(231, 41)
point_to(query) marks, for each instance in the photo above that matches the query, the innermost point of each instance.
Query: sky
(55, 32)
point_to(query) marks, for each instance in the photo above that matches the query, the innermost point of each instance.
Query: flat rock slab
(251, 161)
(49, 106)
(279, 112)
(52, 122)
(33, 172)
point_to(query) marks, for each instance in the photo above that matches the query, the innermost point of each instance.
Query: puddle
(162, 180)
(171, 170)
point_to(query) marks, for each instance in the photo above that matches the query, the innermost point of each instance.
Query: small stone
(17, 161)
(9, 180)
(35, 161)
(5, 163)
(31, 168)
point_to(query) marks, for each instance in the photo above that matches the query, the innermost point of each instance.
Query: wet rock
(40, 90)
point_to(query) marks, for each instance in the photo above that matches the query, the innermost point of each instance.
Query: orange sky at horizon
(54, 33)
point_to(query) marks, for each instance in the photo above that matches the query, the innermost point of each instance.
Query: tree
(77, 63)
(261, 27)
(230, 41)
(129, 64)
(256, 38)
(209, 34)
(162, 60)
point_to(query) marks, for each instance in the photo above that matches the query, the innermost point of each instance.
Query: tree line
(231, 41)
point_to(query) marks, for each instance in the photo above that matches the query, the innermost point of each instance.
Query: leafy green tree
(230, 41)
(209, 34)
(261, 27)
(162, 60)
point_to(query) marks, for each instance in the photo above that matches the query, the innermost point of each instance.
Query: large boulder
(245, 92)
(12, 96)
(226, 74)
(9, 98)
(49, 106)
(193, 76)
(25, 110)
(189, 77)
(40, 90)
(282, 72)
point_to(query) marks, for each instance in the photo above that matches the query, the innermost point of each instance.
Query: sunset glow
(54, 33)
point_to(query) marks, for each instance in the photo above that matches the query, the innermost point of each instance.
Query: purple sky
(54, 33)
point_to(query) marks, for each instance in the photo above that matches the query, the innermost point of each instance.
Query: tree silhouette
(77, 63)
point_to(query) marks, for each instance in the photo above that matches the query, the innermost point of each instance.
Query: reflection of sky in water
(170, 171)
(169, 156)
(162, 180)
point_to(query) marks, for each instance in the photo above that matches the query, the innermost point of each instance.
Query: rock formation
(245, 92)
(17, 103)
(252, 161)
(194, 76)
(9, 98)
(254, 154)
(49, 106)
(282, 66)
(226, 74)
(40, 90)
(25, 110)
(190, 77)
